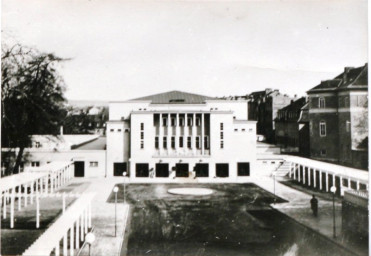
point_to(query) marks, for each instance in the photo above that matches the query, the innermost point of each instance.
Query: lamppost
(115, 189)
(124, 174)
(333, 191)
(90, 238)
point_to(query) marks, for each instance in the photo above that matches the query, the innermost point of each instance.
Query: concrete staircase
(282, 171)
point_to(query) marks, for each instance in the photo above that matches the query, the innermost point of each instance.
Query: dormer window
(321, 102)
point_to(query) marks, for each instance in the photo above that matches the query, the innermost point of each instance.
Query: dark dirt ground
(235, 220)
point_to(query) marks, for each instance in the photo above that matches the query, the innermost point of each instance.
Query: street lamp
(333, 191)
(124, 174)
(90, 238)
(115, 189)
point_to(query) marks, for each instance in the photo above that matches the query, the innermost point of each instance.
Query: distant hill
(86, 103)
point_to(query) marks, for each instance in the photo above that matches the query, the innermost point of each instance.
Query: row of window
(142, 170)
(181, 142)
(360, 101)
(243, 130)
(181, 121)
(221, 135)
(37, 164)
(322, 128)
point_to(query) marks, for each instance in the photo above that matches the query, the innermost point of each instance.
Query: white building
(177, 135)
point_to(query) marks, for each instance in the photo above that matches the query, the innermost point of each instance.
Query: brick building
(263, 107)
(291, 130)
(339, 119)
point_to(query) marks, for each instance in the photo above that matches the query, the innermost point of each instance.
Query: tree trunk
(18, 160)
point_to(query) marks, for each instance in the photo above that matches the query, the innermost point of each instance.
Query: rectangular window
(189, 121)
(321, 102)
(206, 142)
(322, 129)
(189, 142)
(222, 170)
(142, 135)
(141, 126)
(35, 164)
(221, 135)
(93, 164)
(164, 142)
(172, 142)
(156, 143)
(180, 142)
(119, 130)
(112, 130)
(37, 144)
(198, 144)
(221, 126)
(142, 144)
(323, 152)
(222, 144)
(181, 121)
(164, 121)
(347, 126)
(173, 121)
(198, 121)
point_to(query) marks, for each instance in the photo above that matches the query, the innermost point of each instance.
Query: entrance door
(222, 170)
(79, 168)
(202, 170)
(119, 169)
(181, 170)
(162, 170)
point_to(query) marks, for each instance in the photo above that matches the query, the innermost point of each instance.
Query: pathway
(103, 218)
(298, 208)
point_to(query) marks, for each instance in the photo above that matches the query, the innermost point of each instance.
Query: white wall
(74, 155)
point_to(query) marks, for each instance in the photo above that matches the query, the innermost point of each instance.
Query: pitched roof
(350, 78)
(175, 97)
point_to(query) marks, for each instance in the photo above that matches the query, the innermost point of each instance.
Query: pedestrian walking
(314, 205)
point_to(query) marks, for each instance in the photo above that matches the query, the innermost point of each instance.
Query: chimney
(61, 130)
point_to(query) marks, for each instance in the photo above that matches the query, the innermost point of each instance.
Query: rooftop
(351, 78)
(175, 97)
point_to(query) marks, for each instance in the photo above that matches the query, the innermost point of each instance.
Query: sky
(120, 50)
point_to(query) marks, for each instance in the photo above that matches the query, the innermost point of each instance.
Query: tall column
(186, 131)
(299, 173)
(202, 133)
(304, 176)
(12, 208)
(168, 133)
(37, 210)
(82, 227)
(65, 245)
(309, 172)
(194, 133)
(295, 168)
(160, 134)
(51, 183)
(177, 132)
(71, 240)
(77, 233)
(333, 180)
(320, 180)
(327, 182)
(341, 185)
(57, 249)
(349, 183)
(357, 184)
(314, 178)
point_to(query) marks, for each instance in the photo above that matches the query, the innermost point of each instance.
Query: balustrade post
(77, 233)
(37, 210)
(71, 240)
(12, 208)
(65, 245)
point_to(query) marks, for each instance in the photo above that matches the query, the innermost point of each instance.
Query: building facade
(263, 107)
(180, 135)
(291, 130)
(339, 119)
